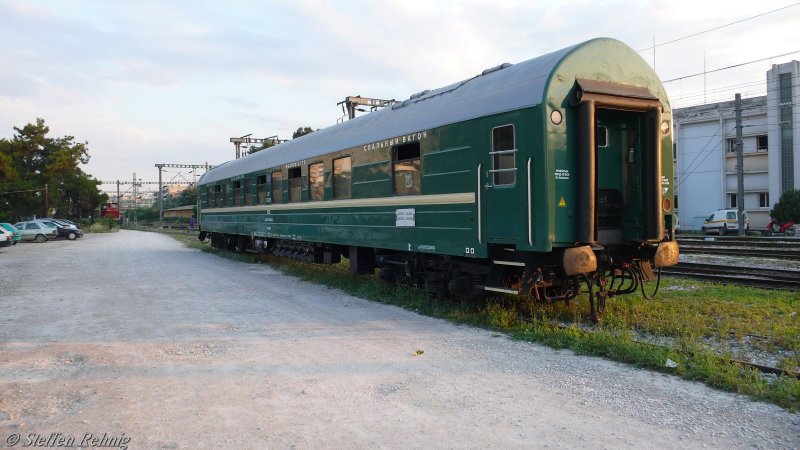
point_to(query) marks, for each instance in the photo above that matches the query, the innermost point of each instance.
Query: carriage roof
(496, 90)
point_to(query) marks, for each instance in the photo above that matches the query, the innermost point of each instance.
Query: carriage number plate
(405, 217)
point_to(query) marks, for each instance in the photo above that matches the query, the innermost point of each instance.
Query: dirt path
(135, 336)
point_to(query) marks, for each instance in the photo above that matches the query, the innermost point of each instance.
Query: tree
(264, 145)
(788, 207)
(31, 161)
(302, 131)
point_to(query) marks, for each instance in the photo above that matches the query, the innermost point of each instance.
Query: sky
(147, 82)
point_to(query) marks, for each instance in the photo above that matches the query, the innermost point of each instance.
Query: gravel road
(132, 336)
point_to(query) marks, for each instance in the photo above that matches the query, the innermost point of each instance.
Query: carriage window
(248, 200)
(504, 156)
(341, 177)
(406, 169)
(295, 185)
(601, 136)
(237, 190)
(209, 198)
(218, 196)
(316, 181)
(277, 187)
(261, 189)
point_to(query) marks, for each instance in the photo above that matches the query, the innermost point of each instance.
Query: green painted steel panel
(536, 213)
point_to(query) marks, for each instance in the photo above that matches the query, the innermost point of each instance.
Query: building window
(675, 201)
(675, 150)
(261, 189)
(504, 155)
(237, 191)
(763, 199)
(732, 202)
(731, 145)
(295, 185)
(316, 182)
(277, 187)
(406, 169)
(762, 144)
(342, 170)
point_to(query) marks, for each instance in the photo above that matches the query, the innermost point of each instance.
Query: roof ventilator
(495, 68)
(419, 96)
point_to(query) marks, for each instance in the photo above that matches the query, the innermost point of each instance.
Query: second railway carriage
(533, 178)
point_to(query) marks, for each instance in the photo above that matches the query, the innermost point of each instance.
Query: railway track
(761, 247)
(764, 369)
(743, 276)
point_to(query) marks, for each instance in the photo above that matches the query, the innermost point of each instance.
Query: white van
(724, 220)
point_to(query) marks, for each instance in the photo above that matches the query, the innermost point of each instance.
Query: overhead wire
(717, 28)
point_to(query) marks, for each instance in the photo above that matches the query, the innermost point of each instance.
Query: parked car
(67, 230)
(14, 232)
(36, 231)
(6, 238)
(64, 221)
(724, 220)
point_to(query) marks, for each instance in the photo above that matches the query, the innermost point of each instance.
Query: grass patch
(702, 322)
(99, 228)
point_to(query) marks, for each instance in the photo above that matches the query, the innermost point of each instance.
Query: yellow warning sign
(562, 203)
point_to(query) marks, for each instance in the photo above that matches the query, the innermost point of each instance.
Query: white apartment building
(705, 152)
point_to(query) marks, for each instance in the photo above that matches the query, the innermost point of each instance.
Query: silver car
(36, 231)
(6, 238)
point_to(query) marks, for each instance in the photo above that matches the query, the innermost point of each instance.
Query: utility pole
(46, 201)
(349, 104)
(739, 165)
(135, 198)
(194, 168)
(160, 198)
(246, 139)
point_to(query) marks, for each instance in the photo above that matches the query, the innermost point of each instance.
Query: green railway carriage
(530, 178)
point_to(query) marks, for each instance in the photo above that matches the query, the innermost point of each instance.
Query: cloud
(154, 81)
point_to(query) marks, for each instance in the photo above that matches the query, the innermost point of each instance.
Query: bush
(110, 223)
(788, 207)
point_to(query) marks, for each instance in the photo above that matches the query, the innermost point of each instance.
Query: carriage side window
(248, 199)
(342, 170)
(295, 185)
(218, 196)
(237, 190)
(504, 156)
(209, 198)
(277, 187)
(316, 182)
(224, 199)
(261, 189)
(406, 169)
